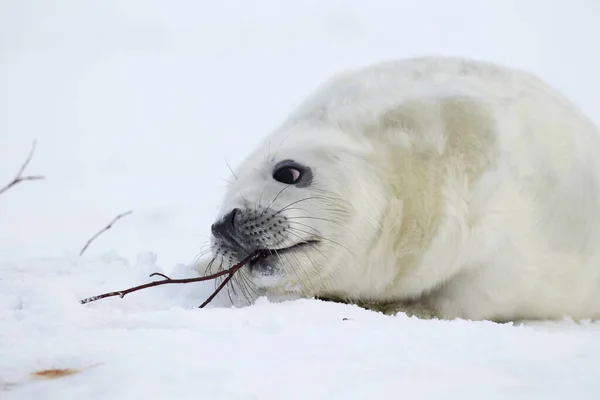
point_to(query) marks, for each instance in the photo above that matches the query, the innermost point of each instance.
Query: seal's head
(361, 194)
(296, 198)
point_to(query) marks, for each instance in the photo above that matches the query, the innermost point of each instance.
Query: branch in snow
(107, 227)
(229, 272)
(19, 177)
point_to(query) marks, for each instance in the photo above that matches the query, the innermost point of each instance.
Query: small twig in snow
(107, 227)
(19, 177)
(229, 272)
(159, 274)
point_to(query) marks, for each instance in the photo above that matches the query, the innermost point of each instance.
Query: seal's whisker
(283, 238)
(317, 232)
(295, 202)
(259, 200)
(303, 270)
(209, 265)
(203, 251)
(324, 239)
(268, 154)
(305, 199)
(230, 169)
(295, 267)
(217, 282)
(247, 286)
(298, 263)
(280, 144)
(312, 245)
(243, 197)
(333, 210)
(274, 199)
(324, 195)
(236, 283)
(321, 219)
(205, 246)
(230, 290)
(222, 266)
(314, 264)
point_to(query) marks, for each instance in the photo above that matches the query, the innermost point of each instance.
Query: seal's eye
(287, 175)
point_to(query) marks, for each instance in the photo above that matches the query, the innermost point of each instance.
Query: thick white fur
(470, 188)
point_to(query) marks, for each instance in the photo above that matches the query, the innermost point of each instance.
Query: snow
(138, 105)
(157, 344)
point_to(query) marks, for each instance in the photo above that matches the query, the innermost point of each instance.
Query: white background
(138, 104)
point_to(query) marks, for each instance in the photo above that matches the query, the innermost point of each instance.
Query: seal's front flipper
(410, 308)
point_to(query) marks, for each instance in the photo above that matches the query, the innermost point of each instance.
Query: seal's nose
(226, 227)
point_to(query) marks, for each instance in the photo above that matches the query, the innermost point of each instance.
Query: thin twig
(167, 280)
(159, 274)
(107, 227)
(19, 177)
(218, 289)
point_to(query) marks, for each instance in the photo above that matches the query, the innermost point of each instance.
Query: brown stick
(167, 280)
(19, 177)
(218, 289)
(107, 227)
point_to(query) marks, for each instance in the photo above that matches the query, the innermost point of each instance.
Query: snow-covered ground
(138, 105)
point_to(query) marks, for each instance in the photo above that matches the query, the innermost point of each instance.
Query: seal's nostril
(231, 216)
(226, 226)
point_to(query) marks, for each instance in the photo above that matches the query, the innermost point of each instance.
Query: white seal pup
(440, 187)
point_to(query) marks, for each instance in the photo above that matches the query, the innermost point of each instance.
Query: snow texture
(138, 105)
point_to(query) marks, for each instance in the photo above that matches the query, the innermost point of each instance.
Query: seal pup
(435, 186)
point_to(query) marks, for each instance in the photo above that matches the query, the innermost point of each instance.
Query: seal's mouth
(266, 254)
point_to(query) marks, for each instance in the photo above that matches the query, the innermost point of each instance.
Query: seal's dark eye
(287, 175)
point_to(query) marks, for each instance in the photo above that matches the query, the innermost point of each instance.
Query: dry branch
(229, 272)
(19, 177)
(101, 231)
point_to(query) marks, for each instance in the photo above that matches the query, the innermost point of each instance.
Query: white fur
(470, 187)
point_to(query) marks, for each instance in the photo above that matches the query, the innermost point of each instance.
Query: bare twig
(107, 227)
(229, 272)
(19, 177)
(220, 287)
(159, 274)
